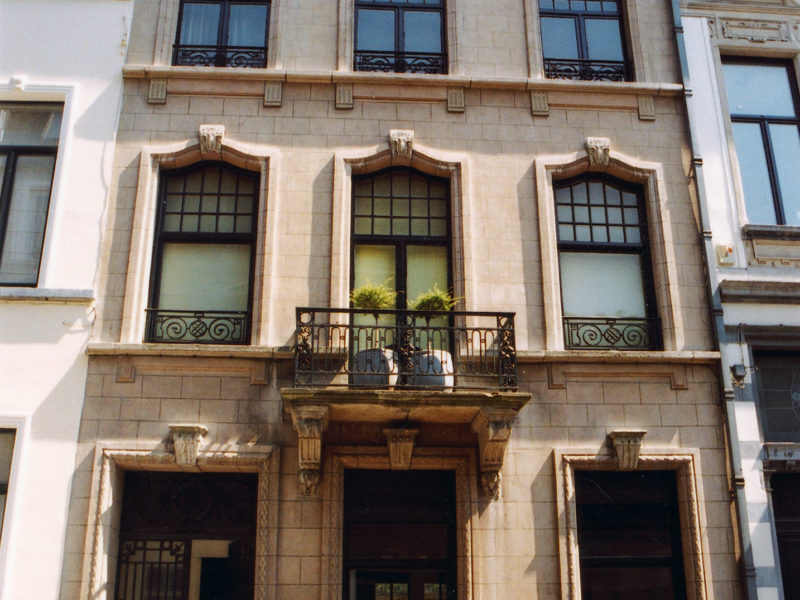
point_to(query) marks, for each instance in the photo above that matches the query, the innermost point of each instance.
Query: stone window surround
(102, 533)
(460, 460)
(152, 160)
(650, 176)
(10, 522)
(684, 462)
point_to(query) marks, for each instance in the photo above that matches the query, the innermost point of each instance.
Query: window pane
(375, 32)
(778, 377)
(374, 265)
(423, 31)
(200, 24)
(30, 125)
(745, 86)
(426, 268)
(786, 148)
(602, 285)
(559, 39)
(30, 197)
(603, 39)
(753, 170)
(247, 25)
(204, 277)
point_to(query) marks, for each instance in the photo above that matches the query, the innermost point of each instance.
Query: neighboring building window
(629, 535)
(187, 536)
(399, 535)
(203, 260)
(28, 142)
(7, 437)
(222, 33)
(785, 498)
(607, 293)
(583, 40)
(401, 36)
(767, 139)
(778, 376)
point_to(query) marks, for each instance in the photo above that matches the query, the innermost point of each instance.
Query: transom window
(402, 36)
(583, 40)
(222, 33)
(205, 245)
(767, 138)
(607, 293)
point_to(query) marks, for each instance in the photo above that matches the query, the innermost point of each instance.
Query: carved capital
(627, 443)
(493, 427)
(599, 150)
(401, 142)
(211, 139)
(309, 422)
(401, 447)
(186, 441)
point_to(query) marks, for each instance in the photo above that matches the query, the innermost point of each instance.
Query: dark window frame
(764, 121)
(641, 248)
(221, 54)
(585, 68)
(162, 237)
(397, 61)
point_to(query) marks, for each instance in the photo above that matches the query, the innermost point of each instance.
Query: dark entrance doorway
(399, 535)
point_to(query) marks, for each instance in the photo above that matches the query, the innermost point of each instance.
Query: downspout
(718, 327)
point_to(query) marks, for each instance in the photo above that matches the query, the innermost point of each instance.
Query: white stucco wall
(70, 51)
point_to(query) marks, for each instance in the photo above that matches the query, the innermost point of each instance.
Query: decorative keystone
(401, 447)
(211, 139)
(401, 142)
(627, 443)
(493, 427)
(186, 441)
(599, 150)
(309, 422)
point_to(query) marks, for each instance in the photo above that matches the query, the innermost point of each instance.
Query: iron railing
(590, 70)
(198, 326)
(401, 62)
(601, 333)
(219, 56)
(401, 349)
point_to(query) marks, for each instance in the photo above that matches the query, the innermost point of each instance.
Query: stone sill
(771, 232)
(45, 295)
(617, 356)
(404, 79)
(193, 350)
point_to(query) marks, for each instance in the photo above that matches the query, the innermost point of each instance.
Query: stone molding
(781, 456)
(309, 422)
(186, 441)
(401, 142)
(763, 292)
(211, 141)
(128, 367)
(493, 427)
(559, 373)
(598, 149)
(401, 447)
(627, 443)
(754, 30)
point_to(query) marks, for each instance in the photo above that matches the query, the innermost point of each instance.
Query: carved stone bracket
(493, 427)
(599, 150)
(401, 142)
(186, 441)
(309, 422)
(401, 447)
(211, 140)
(627, 443)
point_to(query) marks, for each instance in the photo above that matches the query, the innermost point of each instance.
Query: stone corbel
(309, 422)
(401, 447)
(186, 441)
(599, 151)
(627, 443)
(493, 427)
(401, 142)
(211, 141)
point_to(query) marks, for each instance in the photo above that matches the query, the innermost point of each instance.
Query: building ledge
(771, 232)
(762, 292)
(617, 356)
(196, 350)
(54, 296)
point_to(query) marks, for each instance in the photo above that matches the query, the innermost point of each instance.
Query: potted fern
(372, 364)
(434, 366)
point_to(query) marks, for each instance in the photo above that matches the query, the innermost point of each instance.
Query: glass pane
(596, 193)
(559, 39)
(753, 170)
(29, 125)
(7, 437)
(374, 265)
(426, 268)
(746, 84)
(602, 285)
(375, 31)
(200, 24)
(247, 25)
(603, 39)
(423, 31)
(204, 276)
(786, 148)
(27, 215)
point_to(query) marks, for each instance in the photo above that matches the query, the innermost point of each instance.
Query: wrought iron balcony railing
(220, 56)
(600, 333)
(198, 326)
(402, 349)
(590, 70)
(401, 62)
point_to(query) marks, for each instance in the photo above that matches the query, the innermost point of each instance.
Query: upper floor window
(583, 40)
(401, 36)
(222, 33)
(29, 136)
(607, 294)
(762, 101)
(778, 376)
(204, 255)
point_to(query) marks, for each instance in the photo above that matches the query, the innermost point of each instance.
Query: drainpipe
(718, 322)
